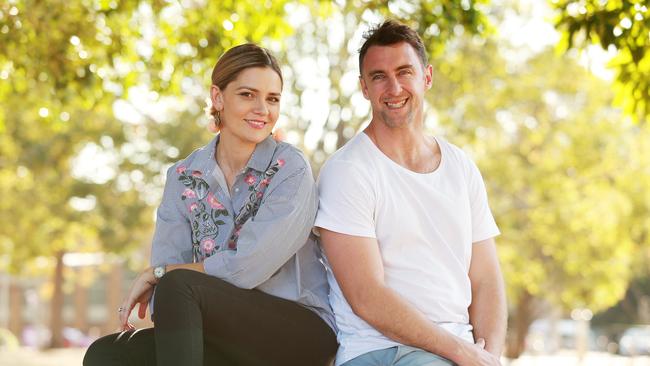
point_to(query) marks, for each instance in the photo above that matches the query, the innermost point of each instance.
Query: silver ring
(120, 309)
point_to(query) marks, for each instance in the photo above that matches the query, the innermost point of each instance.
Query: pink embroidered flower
(259, 194)
(232, 244)
(265, 182)
(196, 173)
(193, 206)
(208, 245)
(214, 203)
(281, 162)
(180, 169)
(189, 193)
(250, 179)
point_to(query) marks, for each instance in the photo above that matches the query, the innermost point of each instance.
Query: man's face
(394, 81)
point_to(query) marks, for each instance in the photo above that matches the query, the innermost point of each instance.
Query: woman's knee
(101, 352)
(175, 285)
(176, 280)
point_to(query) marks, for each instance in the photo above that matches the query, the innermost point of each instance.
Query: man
(406, 228)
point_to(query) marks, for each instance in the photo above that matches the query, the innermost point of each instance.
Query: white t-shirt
(425, 225)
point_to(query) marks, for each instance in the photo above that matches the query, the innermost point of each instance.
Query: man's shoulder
(354, 155)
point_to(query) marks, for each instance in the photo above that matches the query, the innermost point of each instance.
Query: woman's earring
(217, 119)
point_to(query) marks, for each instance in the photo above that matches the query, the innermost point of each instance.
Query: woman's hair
(236, 60)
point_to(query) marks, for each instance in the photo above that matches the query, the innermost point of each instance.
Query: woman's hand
(140, 293)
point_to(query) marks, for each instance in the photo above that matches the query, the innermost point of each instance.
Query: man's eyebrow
(401, 67)
(407, 66)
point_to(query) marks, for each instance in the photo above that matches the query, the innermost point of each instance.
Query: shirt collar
(260, 160)
(263, 154)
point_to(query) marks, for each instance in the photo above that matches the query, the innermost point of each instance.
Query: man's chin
(397, 121)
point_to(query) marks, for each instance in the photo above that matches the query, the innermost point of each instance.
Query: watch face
(158, 272)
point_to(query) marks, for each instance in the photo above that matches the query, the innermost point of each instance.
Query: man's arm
(488, 311)
(357, 266)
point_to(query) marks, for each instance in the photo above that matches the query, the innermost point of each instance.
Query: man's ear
(364, 89)
(428, 76)
(216, 96)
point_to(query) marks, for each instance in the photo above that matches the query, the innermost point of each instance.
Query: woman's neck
(232, 155)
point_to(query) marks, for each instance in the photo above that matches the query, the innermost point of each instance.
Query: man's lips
(396, 104)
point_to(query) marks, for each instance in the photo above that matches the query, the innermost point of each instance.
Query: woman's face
(249, 105)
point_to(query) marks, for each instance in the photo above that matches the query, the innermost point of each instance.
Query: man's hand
(476, 355)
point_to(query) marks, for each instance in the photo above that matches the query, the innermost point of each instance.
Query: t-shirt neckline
(409, 171)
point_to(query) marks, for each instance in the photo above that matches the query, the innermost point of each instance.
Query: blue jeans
(399, 356)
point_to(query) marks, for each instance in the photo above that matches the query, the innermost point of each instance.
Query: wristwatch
(159, 271)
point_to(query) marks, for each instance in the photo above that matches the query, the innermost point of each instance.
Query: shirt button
(236, 189)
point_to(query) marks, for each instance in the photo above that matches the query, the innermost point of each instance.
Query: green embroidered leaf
(201, 189)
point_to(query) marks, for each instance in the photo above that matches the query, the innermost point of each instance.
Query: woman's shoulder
(290, 156)
(195, 162)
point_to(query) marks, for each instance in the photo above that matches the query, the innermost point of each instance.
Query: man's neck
(407, 146)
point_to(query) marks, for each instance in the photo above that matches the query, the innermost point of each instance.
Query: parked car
(548, 336)
(635, 341)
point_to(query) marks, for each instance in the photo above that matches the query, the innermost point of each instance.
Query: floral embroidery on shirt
(204, 213)
(254, 200)
(250, 179)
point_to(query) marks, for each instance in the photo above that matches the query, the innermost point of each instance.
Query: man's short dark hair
(389, 33)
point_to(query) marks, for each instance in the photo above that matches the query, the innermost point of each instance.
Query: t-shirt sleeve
(483, 224)
(346, 200)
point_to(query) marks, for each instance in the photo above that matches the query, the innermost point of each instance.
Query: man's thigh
(382, 357)
(399, 356)
(411, 356)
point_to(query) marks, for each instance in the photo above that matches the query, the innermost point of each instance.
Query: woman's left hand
(140, 293)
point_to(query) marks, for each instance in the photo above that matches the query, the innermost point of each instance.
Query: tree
(621, 26)
(558, 163)
(65, 65)
(322, 60)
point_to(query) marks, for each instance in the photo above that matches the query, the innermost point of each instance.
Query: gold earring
(217, 119)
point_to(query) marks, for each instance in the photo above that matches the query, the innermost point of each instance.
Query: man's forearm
(396, 318)
(488, 315)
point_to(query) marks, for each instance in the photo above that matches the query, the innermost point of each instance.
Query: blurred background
(551, 99)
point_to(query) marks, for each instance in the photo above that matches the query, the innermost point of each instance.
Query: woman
(235, 216)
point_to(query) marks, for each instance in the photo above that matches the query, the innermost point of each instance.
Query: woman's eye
(274, 100)
(246, 94)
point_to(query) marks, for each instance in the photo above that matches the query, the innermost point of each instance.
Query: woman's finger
(142, 311)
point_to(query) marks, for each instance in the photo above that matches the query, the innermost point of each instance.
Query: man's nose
(394, 87)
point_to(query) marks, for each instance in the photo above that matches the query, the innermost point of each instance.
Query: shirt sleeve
(269, 239)
(346, 200)
(483, 224)
(171, 242)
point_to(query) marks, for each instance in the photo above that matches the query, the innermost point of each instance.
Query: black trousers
(202, 320)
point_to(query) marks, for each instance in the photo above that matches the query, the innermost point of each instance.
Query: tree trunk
(113, 298)
(80, 302)
(56, 305)
(520, 322)
(16, 305)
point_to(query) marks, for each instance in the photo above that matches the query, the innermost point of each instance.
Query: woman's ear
(217, 97)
